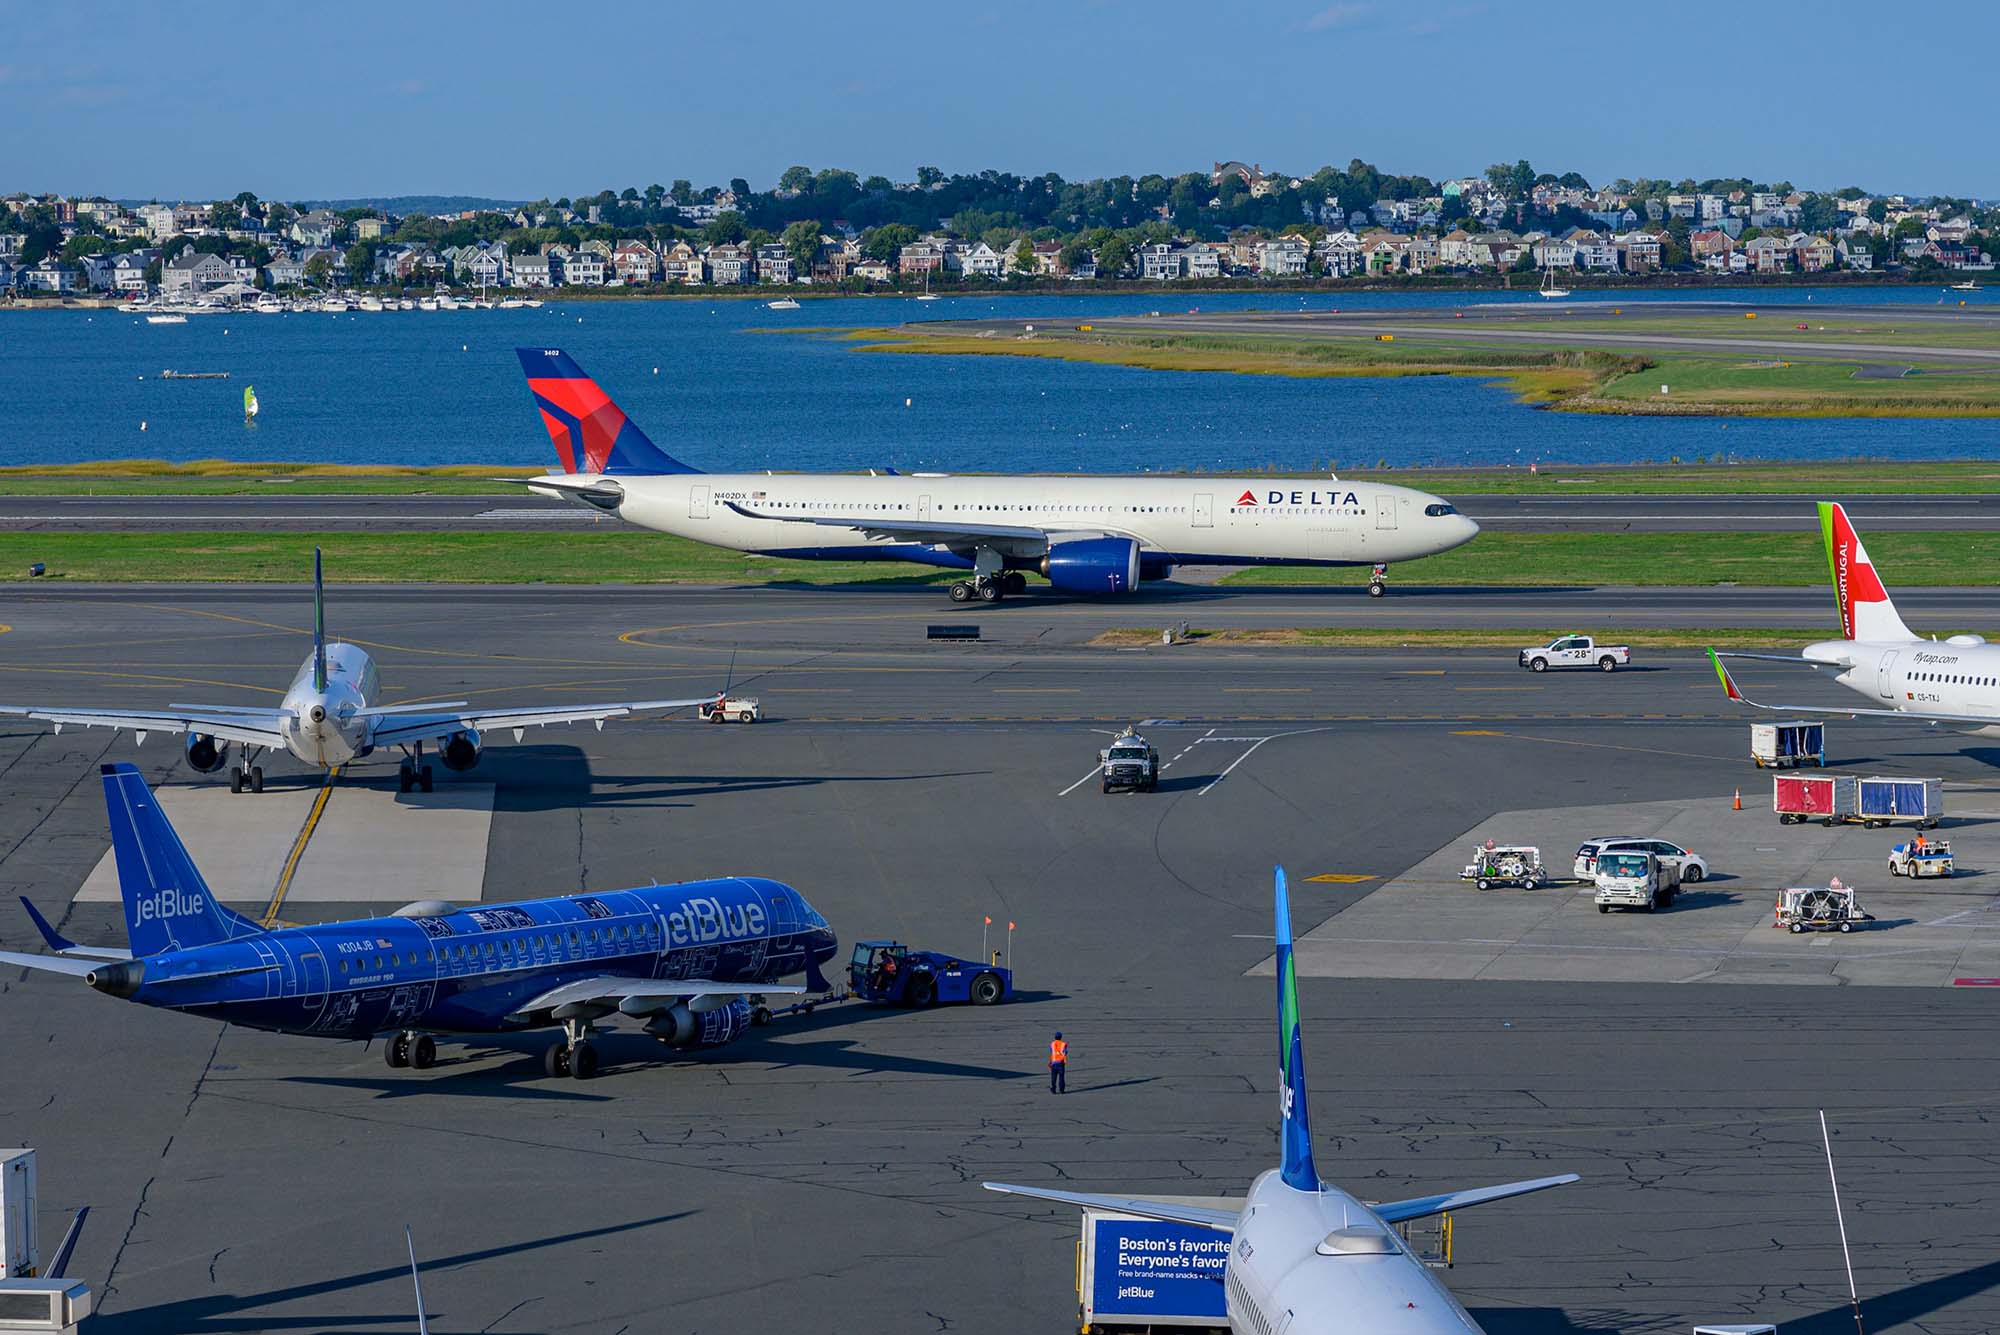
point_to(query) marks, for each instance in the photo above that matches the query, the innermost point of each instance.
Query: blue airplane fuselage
(474, 970)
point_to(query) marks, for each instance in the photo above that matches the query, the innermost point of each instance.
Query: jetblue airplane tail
(1295, 1128)
(167, 904)
(319, 626)
(589, 431)
(1866, 613)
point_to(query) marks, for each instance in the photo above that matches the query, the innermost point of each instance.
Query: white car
(1694, 867)
(732, 709)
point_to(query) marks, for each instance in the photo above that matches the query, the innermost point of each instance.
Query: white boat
(427, 303)
(1967, 286)
(512, 303)
(269, 305)
(445, 302)
(167, 317)
(928, 294)
(782, 304)
(533, 303)
(405, 304)
(369, 304)
(1549, 288)
(333, 306)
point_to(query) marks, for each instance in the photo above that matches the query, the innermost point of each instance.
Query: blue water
(444, 387)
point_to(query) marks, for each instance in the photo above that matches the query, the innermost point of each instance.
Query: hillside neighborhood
(833, 230)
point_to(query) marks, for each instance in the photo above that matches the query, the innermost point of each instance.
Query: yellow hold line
(299, 847)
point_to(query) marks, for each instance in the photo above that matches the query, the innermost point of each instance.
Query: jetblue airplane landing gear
(1378, 580)
(414, 772)
(247, 774)
(410, 1049)
(575, 1055)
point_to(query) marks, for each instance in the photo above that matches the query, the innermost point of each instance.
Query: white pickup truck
(1575, 651)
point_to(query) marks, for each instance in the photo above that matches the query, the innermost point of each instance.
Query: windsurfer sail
(249, 403)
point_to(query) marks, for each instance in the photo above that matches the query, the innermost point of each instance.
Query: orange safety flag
(1010, 926)
(989, 920)
(1058, 1050)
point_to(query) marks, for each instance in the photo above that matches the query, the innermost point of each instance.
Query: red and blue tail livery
(590, 432)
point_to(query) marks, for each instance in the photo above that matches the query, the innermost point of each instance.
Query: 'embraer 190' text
(700, 921)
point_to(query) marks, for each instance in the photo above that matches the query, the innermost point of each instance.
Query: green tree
(1074, 252)
(681, 192)
(361, 262)
(319, 268)
(739, 188)
(802, 244)
(884, 242)
(1024, 258)
(83, 243)
(796, 179)
(1112, 257)
(1878, 210)
(929, 178)
(153, 271)
(725, 230)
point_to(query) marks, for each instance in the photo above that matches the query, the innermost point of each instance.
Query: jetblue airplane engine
(1093, 565)
(460, 751)
(685, 1027)
(205, 755)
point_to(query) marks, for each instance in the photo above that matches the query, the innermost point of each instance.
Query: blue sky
(520, 100)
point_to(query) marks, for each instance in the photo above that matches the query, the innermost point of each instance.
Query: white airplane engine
(460, 751)
(682, 1026)
(205, 755)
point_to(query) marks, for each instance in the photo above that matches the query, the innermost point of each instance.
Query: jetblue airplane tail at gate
(590, 432)
(168, 906)
(1295, 1129)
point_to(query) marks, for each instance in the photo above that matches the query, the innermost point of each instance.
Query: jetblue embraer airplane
(1956, 681)
(327, 718)
(1307, 1257)
(692, 960)
(1088, 535)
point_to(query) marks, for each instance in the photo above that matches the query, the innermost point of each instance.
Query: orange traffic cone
(1739, 799)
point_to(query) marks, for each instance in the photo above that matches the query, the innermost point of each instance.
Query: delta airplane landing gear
(991, 580)
(1378, 580)
(410, 1049)
(247, 774)
(414, 773)
(575, 1055)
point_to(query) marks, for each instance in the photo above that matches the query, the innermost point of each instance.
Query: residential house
(1552, 252)
(918, 258)
(1502, 250)
(159, 220)
(1769, 253)
(1594, 251)
(1614, 219)
(1162, 262)
(1640, 251)
(1386, 252)
(870, 270)
(370, 228)
(1085, 268)
(1422, 254)
(1456, 251)
(1339, 254)
(581, 267)
(635, 262)
(1048, 259)
(481, 266)
(1283, 257)
(316, 228)
(1855, 255)
(286, 270)
(775, 263)
(1710, 249)
(532, 271)
(51, 275)
(99, 271)
(1204, 260)
(1812, 254)
(682, 263)
(731, 265)
(1252, 176)
(128, 271)
(192, 272)
(1951, 232)
(982, 261)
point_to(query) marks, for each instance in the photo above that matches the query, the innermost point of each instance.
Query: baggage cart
(1895, 801)
(1819, 908)
(1822, 797)
(1933, 859)
(1786, 745)
(1506, 864)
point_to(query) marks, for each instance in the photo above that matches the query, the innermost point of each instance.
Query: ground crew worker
(1058, 1065)
(1918, 844)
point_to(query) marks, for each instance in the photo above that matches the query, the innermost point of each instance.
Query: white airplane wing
(1735, 693)
(1017, 539)
(50, 963)
(398, 724)
(1395, 1212)
(614, 989)
(1222, 1220)
(251, 727)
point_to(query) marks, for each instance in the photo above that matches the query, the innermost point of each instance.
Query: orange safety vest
(1058, 1051)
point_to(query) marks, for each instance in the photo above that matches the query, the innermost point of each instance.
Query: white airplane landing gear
(414, 773)
(1378, 580)
(575, 1055)
(991, 580)
(247, 773)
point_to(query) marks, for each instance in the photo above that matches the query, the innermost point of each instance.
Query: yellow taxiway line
(299, 847)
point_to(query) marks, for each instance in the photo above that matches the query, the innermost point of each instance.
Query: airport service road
(822, 1174)
(527, 513)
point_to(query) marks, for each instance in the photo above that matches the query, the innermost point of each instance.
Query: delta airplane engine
(460, 751)
(1098, 565)
(205, 755)
(701, 1026)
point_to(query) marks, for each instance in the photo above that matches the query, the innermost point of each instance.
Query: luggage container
(1890, 801)
(1135, 1273)
(18, 1255)
(1784, 745)
(1821, 797)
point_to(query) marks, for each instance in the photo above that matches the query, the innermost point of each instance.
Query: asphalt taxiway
(822, 1174)
(525, 513)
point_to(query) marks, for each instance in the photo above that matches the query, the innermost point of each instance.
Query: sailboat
(1549, 288)
(928, 294)
(249, 404)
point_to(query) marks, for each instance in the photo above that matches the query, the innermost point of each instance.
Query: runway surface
(822, 1174)
(528, 514)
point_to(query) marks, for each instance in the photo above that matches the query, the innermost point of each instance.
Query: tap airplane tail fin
(1866, 612)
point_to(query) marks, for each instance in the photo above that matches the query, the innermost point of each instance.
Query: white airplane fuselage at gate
(1184, 520)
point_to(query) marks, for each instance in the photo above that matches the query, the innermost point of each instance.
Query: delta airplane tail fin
(1865, 610)
(590, 432)
(1295, 1129)
(319, 625)
(168, 906)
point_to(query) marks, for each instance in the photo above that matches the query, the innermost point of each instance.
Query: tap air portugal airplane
(1954, 681)
(693, 961)
(1305, 1257)
(329, 716)
(1086, 535)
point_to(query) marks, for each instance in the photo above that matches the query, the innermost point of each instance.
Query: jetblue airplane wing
(75, 968)
(398, 724)
(1395, 1212)
(1223, 1220)
(251, 727)
(611, 988)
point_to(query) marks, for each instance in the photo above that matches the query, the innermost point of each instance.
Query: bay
(718, 383)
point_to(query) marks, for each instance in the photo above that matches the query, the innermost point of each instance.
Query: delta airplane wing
(964, 539)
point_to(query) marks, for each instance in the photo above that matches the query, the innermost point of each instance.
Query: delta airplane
(692, 960)
(328, 718)
(1956, 681)
(1306, 1257)
(1086, 535)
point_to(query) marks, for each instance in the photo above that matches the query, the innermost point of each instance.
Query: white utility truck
(1631, 878)
(1575, 651)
